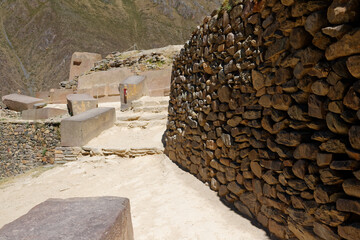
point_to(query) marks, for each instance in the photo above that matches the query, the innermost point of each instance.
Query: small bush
(227, 5)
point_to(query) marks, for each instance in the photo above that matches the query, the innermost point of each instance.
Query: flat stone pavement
(166, 202)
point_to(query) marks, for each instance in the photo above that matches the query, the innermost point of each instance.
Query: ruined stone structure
(26, 144)
(82, 62)
(264, 107)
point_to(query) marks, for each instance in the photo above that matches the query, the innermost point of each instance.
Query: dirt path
(166, 202)
(126, 138)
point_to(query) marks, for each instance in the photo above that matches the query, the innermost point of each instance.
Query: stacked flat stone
(264, 107)
(151, 61)
(26, 145)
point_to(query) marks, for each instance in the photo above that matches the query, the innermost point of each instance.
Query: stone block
(18, 102)
(347, 205)
(324, 232)
(42, 113)
(350, 232)
(79, 103)
(78, 130)
(135, 89)
(353, 64)
(348, 45)
(112, 76)
(58, 96)
(88, 91)
(101, 218)
(157, 82)
(352, 187)
(43, 95)
(99, 91)
(113, 90)
(82, 62)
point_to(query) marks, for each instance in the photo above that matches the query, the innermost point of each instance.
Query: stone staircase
(137, 132)
(144, 113)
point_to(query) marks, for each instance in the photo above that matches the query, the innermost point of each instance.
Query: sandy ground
(126, 138)
(166, 202)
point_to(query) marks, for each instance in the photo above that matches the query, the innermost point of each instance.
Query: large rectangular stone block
(112, 76)
(42, 113)
(113, 90)
(157, 81)
(58, 96)
(131, 89)
(79, 103)
(81, 62)
(100, 218)
(18, 102)
(45, 95)
(99, 91)
(79, 130)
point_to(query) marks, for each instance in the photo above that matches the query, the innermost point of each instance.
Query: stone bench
(79, 103)
(101, 218)
(78, 130)
(18, 102)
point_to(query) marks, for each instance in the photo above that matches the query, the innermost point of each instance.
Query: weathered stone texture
(100, 218)
(25, 145)
(281, 107)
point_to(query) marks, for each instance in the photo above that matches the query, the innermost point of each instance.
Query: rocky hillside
(38, 37)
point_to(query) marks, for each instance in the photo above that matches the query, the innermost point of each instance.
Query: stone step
(138, 116)
(152, 109)
(150, 102)
(141, 124)
(124, 152)
(133, 152)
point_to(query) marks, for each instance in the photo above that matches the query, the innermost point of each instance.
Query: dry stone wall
(25, 145)
(264, 107)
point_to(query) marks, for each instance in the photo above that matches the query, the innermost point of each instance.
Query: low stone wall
(68, 154)
(264, 107)
(25, 145)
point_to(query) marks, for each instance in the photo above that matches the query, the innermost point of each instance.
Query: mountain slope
(45, 33)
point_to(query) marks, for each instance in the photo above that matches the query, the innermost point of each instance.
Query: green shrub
(227, 5)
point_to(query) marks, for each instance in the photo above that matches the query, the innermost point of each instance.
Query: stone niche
(264, 107)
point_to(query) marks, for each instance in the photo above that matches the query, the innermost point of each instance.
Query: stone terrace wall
(25, 145)
(264, 107)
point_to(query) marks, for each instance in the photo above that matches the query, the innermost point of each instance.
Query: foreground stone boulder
(78, 130)
(18, 102)
(101, 218)
(79, 103)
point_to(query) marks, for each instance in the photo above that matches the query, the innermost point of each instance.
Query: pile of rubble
(137, 62)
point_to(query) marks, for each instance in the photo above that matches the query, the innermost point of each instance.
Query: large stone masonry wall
(25, 145)
(264, 107)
